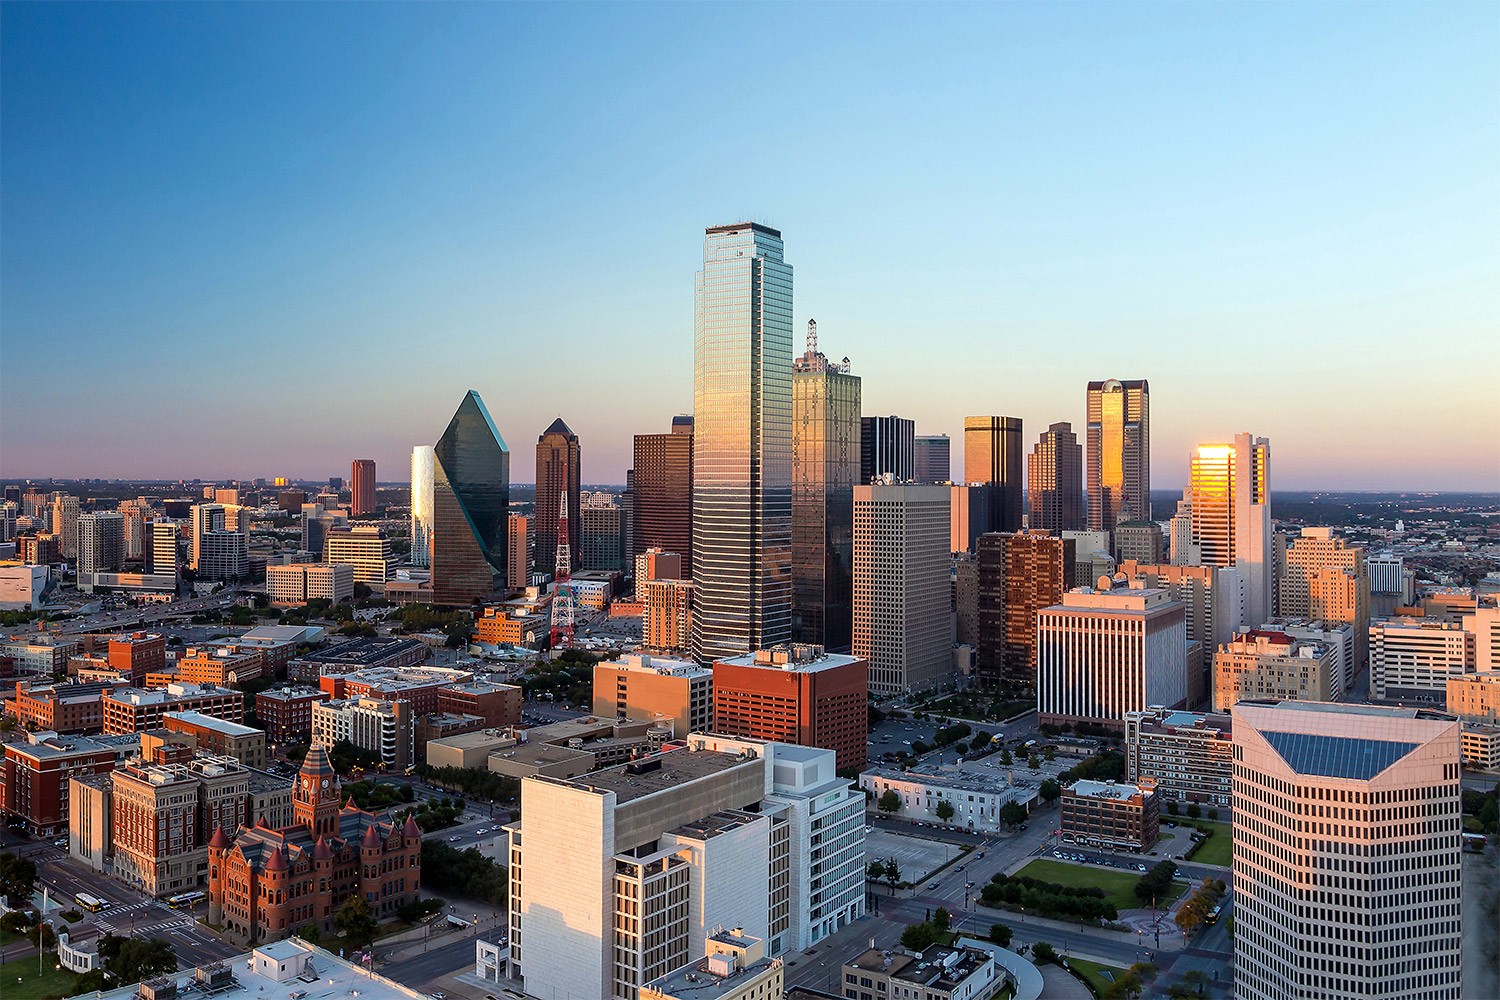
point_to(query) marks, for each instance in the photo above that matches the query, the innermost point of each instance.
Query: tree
(875, 872)
(44, 935)
(1050, 791)
(356, 921)
(1012, 814)
(1489, 814)
(920, 748)
(1172, 808)
(1043, 952)
(131, 959)
(1155, 882)
(1032, 762)
(1213, 814)
(942, 919)
(945, 810)
(1000, 934)
(918, 937)
(892, 873)
(17, 879)
(92, 981)
(1049, 753)
(890, 801)
(1193, 810)
(1006, 758)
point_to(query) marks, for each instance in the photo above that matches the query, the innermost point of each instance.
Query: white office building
(101, 541)
(1413, 658)
(1347, 841)
(422, 504)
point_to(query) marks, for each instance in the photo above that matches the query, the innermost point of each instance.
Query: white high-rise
(1230, 487)
(422, 501)
(101, 541)
(902, 619)
(1347, 841)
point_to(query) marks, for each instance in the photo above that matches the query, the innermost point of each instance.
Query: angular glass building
(825, 468)
(421, 504)
(471, 489)
(742, 443)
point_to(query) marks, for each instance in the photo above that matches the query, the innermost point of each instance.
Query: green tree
(94, 980)
(1489, 814)
(1213, 814)
(1012, 814)
(875, 871)
(918, 937)
(132, 959)
(1193, 810)
(945, 810)
(942, 919)
(1032, 762)
(17, 879)
(1049, 753)
(1000, 934)
(890, 801)
(892, 873)
(356, 921)
(1006, 758)
(1050, 791)
(1043, 952)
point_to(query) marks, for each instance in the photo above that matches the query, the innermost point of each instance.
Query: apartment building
(1266, 664)
(58, 708)
(1187, 754)
(383, 727)
(293, 585)
(1112, 815)
(1475, 697)
(669, 614)
(221, 737)
(133, 710)
(796, 694)
(1323, 576)
(35, 774)
(1414, 658)
(417, 686)
(619, 876)
(641, 686)
(1347, 841)
(137, 654)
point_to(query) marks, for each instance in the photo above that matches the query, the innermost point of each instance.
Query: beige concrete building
(384, 727)
(1413, 658)
(1484, 625)
(1266, 664)
(640, 686)
(1187, 754)
(1481, 746)
(937, 973)
(669, 614)
(734, 968)
(1347, 824)
(587, 743)
(89, 834)
(163, 812)
(1475, 697)
(296, 584)
(1325, 577)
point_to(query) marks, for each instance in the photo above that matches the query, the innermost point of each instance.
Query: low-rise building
(286, 712)
(795, 693)
(137, 654)
(132, 710)
(220, 736)
(382, 727)
(43, 655)
(1187, 753)
(61, 708)
(1475, 697)
(1481, 746)
(977, 800)
(294, 585)
(508, 626)
(438, 726)
(22, 585)
(639, 686)
(357, 654)
(35, 776)
(164, 809)
(1112, 815)
(221, 664)
(1414, 658)
(1266, 664)
(734, 968)
(496, 704)
(417, 686)
(936, 973)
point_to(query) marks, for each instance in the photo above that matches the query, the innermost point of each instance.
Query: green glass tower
(471, 490)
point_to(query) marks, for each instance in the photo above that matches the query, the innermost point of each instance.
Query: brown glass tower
(557, 469)
(663, 513)
(1019, 575)
(1054, 481)
(1119, 452)
(362, 487)
(992, 456)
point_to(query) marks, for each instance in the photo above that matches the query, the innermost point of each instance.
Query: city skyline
(1267, 244)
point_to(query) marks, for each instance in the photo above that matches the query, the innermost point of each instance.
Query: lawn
(1216, 851)
(1094, 973)
(1119, 885)
(31, 986)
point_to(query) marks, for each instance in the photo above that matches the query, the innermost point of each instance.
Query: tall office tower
(1214, 597)
(365, 548)
(8, 511)
(968, 515)
(1140, 541)
(421, 505)
(101, 542)
(887, 446)
(558, 467)
(1347, 830)
(161, 547)
(603, 535)
(1230, 487)
(992, 455)
(663, 513)
(796, 693)
(1019, 575)
(471, 489)
(902, 622)
(518, 549)
(825, 468)
(966, 599)
(1414, 658)
(13, 495)
(742, 443)
(134, 513)
(361, 487)
(619, 875)
(932, 458)
(1054, 481)
(226, 495)
(1325, 578)
(669, 614)
(1180, 548)
(1119, 446)
(65, 524)
(1385, 571)
(218, 552)
(1104, 653)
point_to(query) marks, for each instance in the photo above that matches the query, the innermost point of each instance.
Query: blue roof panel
(1337, 756)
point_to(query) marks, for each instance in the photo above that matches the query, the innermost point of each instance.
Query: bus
(186, 900)
(91, 903)
(1213, 915)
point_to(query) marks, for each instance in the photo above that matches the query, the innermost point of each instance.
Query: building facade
(295, 584)
(796, 694)
(1119, 452)
(362, 487)
(471, 490)
(1415, 658)
(993, 456)
(1230, 490)
(1262, 663)
(286, 712)
(1054, 480)
(638, 686)
(669, 615)
(134, 710)
(1112, 815)
(662, 508)
(1187, 754)
(1019, 575)
(559, 465)
(422, 477)
(887, 447)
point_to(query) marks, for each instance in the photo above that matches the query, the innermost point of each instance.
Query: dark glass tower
(558, 469)
(993, 456)
(1054, 484)
(471, 490)
(887, 445)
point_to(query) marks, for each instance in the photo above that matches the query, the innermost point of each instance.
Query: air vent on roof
(643, 766)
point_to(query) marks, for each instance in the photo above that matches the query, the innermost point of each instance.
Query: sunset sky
(265, 239)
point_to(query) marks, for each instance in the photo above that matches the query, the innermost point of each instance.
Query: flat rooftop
(629, 781)
(217, 725)
(959, 781)
(1104, 789)
(796, 657)
(713, 825)
(538, 754)
(1352, 708)
(695, 982)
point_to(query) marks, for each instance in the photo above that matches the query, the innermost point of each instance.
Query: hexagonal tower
(316, 799)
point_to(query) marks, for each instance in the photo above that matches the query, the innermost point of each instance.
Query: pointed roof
(372, 836)
(558, 427)
(277, 861)
(410, 828)
(316, 763)
(321, 850)
(220, 840)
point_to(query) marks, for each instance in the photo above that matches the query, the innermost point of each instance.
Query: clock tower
(317, 797)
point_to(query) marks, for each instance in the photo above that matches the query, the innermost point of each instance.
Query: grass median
(1119, 886)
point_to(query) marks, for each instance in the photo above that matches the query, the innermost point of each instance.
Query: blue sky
(257, 240)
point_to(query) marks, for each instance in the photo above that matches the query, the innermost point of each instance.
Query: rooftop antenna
(812, 336)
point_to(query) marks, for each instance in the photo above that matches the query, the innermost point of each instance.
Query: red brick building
(61, 708)
(132, 710)
(497, 704)
(138, 654)
(418, 687)
(285, 713)
(34, 779)
(264, 884)
(796, 694)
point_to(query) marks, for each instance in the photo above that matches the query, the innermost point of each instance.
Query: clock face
(325, 782)
(306, 782)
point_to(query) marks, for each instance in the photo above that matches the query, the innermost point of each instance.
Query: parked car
(932, 885)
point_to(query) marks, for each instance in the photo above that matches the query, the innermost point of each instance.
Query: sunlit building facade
(1119, 452)
(662, 507)
(993, 456)
(1054, 482)
(558, 468)
(421, 504)
(1230, 487)
(471, 489)
(742, 443)
(362, 487)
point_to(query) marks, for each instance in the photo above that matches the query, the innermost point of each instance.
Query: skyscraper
(101, 542)
(65, 523)
(1019, 575)
(161, 553)
(1326, 578)
(663, 502)
(134, 512)
(887, 446)
(992, 455)
(742, 443)
(1347, 830)
(558, 467)
(932, 458)
(825, 468)
(1231, 515)
(1054, 482)
(362, 487)
(518, 551)
(471, 489)
(421, 505)
(1119, 446)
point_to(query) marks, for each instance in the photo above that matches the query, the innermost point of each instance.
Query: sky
(243, 240)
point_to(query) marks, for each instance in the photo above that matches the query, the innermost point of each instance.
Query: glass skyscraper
(1119, 452)
(825, 469)
(993, 456)
(421, 504)
(742, 443)
(471, 489)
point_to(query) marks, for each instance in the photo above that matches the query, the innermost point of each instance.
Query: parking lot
(918, 857)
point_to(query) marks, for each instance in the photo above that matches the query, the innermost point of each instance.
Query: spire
(321, 850)
(219, 841)
(277, 861)
(371, 838)
(410, 829)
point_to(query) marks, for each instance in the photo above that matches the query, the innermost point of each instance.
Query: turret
(218, 848)
(277, 876)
